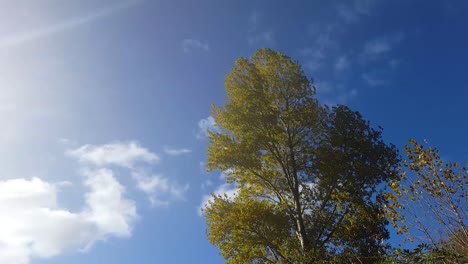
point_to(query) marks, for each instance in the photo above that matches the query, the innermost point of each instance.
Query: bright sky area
(105, 106)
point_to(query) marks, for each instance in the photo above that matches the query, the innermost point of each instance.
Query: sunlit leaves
(432, 199)
(308, 175)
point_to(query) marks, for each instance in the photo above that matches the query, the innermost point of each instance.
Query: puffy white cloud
(176, 152)
(124, 154)
(106, 205)
(160, 191)
(206, 125)
(33, 225)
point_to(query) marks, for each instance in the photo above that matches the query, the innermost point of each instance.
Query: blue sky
(104, 107)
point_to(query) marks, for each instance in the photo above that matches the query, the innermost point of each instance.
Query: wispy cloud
(206, 184)
(373, 80)
(189, 45)
(377, 47)
(175, 151)
(264, 39)
(342, 63)
(333, 94)
(161, 192)
(256, 35)
(66, 25)
(254, 20)
(315, 55)
(352, 11)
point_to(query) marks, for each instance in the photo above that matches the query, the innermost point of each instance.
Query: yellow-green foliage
(307, 174)
(430, 197)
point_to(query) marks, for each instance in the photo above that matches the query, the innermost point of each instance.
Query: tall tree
(429, 202)
(307, 175)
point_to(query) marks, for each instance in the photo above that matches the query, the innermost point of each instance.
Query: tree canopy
(309, 176)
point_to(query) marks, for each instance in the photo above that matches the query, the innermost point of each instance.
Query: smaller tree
(429, 201)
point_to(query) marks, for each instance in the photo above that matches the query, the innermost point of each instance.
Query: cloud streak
(66, 25)
(176, 152)
(189, 45)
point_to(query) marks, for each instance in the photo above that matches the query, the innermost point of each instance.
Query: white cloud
(333, 94)
(377, 47)
(206, 125)
(29, 36)
(176, 152)
(160, 191)
(67, 142)
(107, 207)
(121, 154)
(33, 225)
(7, 108)
(342, 63)
(226, 189)
(189, 45)
(373, 80)
(352, 12)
